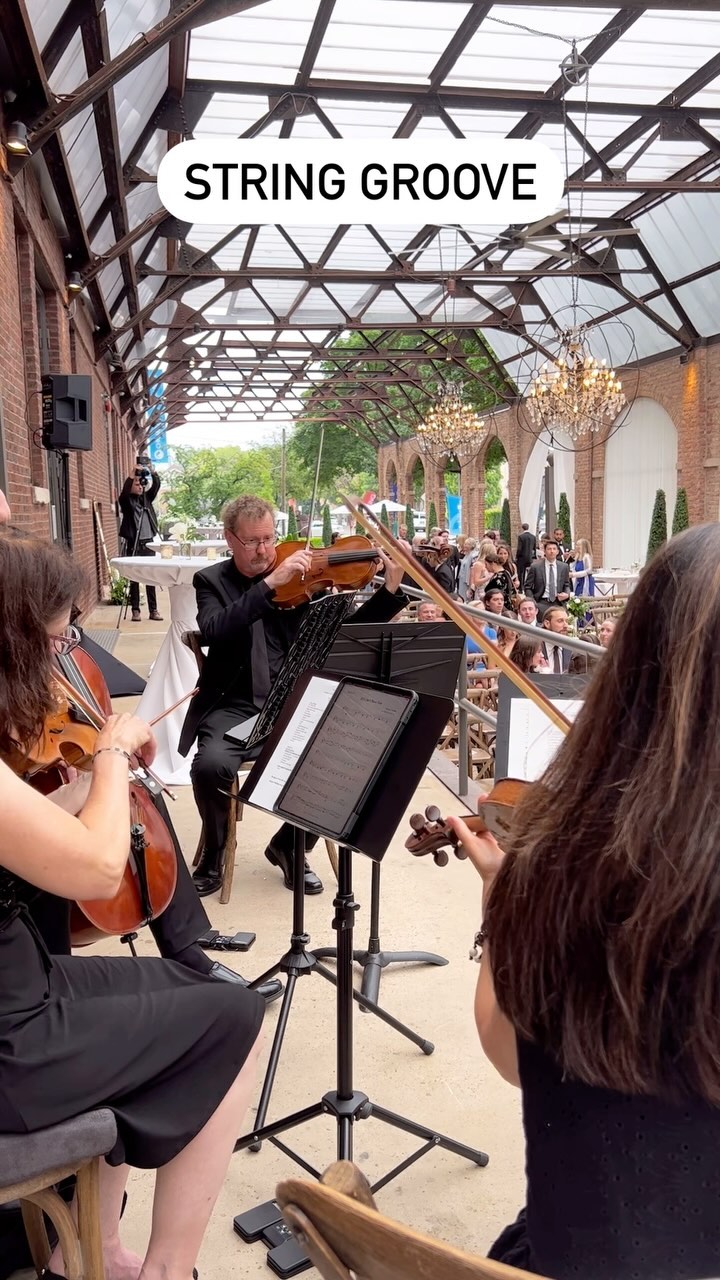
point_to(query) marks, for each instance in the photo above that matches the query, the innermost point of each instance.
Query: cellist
(171, 1052)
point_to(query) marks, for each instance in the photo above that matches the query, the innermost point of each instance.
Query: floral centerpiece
(577, 609)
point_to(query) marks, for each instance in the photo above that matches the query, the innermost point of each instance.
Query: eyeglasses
(254, 544)
(69, 640)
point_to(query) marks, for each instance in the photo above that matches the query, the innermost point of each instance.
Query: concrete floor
(455, 1090)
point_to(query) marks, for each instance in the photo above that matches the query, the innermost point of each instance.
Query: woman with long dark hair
(172, 1053)
(599, 984)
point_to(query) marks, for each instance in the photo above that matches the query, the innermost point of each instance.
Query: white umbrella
(388, 505)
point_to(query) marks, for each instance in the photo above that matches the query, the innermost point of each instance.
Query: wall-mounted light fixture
(75, 284)
(17, 139)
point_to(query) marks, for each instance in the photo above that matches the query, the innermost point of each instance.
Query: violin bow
(390, 545)
(98, 720)
(316, 482)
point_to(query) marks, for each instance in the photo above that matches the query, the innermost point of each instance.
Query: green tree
(563, 520)
(205, 479)
(384, 518)
(410, 522)
(432, 519)
(292, 526)
(344, 455)
(494, 459)
(658, 525)
(681, 517)
(505, 533)
(327, 526)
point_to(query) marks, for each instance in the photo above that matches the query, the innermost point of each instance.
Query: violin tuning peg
(441, 858)
(432, 813)
(417, 822)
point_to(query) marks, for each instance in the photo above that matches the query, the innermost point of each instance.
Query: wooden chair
(31, 1164)
(337, 1224)
(193, 640)
(608, 607)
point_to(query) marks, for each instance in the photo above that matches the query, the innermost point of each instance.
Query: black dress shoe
(207, 876)
(268, 990)
(279, 858)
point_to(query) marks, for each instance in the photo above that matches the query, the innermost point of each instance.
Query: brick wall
(689, 392)
(31, 257)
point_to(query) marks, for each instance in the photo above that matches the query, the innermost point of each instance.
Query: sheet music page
(534, 739)
(302, 725)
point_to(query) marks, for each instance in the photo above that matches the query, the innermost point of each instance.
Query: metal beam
(387, 276)
(183, 17)
(662, 186)
(450, 96)
(98, 261)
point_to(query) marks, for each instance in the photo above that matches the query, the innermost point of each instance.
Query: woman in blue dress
(582, 571)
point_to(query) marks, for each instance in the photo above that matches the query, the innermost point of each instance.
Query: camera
(144, 476)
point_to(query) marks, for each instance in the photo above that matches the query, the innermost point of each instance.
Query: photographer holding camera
(139, 526)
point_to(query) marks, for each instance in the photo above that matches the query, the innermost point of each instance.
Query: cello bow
(390, 545)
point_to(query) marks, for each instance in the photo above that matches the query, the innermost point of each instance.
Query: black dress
(618, 1187)
(156, 1043)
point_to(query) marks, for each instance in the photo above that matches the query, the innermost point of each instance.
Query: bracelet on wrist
(114, 751)
(478, 944)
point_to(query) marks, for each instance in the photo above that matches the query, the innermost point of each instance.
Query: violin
(68, 739)
(348, 565)
(431, 834)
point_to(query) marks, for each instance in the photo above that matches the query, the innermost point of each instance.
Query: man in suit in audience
(526, 552)
(548, 579)
(555, 623)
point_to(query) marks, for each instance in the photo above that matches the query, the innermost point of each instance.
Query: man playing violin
(247, 640)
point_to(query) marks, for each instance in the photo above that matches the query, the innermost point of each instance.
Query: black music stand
(290, 780)
(425, 657)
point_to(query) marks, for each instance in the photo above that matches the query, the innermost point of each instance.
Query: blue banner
(158, 449)
(453, 504)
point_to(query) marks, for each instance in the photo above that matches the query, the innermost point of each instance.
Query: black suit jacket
(130, 508)
(535, 580)
(228, 606)
(526, 551)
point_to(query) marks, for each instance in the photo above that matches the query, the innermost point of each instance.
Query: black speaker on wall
(67, 411)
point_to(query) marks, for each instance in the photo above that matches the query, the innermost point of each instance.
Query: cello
(68, 740)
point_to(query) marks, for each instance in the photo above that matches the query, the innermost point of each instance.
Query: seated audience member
(528, 612)
(506, 640)
(527, 654)
(607, 1015)
(606, 631)
(555, 621)
(428, 611)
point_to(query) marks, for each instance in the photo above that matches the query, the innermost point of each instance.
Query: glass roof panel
(44, 16)
(654, 55)
(682, 233)
(701, 300)
(137, 96)
(501, 55)
(71, 70)
(126, 18)
(386, 39)
(262, 44)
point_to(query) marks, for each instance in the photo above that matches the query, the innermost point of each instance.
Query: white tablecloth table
(174, 671)
(620, 581)
(196, 547)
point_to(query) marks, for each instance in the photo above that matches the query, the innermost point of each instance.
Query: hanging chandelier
(575, 392)
(451, 426)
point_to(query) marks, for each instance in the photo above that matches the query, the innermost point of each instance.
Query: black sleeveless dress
(618, 1187)
(156, 1043)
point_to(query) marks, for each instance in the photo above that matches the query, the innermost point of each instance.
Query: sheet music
(304, 721)
(534, 739)
(344, 756)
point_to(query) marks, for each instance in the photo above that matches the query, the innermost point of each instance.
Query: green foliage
(345, 457)
(658, 525)
(417, 480)
(292, 526)
(504, 526)
(432, 520)
(410, 522)
(326, 526)
(681, 516)
(384, 518)
(563, 520)
(118, 590)
(492, 519)
(494, 459)
(203, 480)
(451, 480)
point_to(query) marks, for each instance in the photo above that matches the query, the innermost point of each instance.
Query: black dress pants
(212, 772)
(142, 549)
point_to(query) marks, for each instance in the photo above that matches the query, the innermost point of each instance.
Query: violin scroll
(432, 835)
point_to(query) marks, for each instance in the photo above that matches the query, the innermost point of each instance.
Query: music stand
(328, 745)
(425, 657)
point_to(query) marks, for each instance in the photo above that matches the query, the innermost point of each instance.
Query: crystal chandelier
(575, 392)
(451, 425)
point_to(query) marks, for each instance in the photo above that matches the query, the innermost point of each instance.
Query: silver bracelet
(117, 751)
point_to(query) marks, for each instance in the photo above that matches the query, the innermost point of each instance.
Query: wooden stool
(31, 1164)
